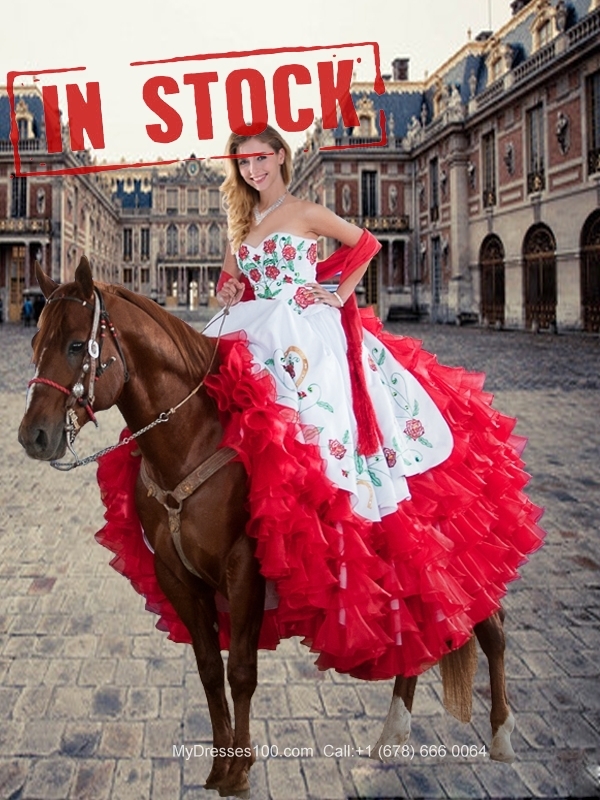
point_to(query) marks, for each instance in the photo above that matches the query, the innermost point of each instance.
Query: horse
(152, 361)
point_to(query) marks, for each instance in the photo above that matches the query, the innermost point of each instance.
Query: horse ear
(47, 285)
(83, 276)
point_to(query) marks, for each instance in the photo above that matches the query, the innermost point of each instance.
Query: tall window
(214, 247)
(369, 193)
(23, 128)
(489, 169)
(127, 244)
(192, 201)
(436, 271)
(19, 197)
(434, 189)
(214, 201)
(536, 180)
(593, 103)
(172, 201)
(145, 244)
(172, 245)
(545, 33)
(193, 240)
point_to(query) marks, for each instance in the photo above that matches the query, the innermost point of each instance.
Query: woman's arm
(324, 222)
(230, 291)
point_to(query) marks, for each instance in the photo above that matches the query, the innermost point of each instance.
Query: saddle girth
(182, 491)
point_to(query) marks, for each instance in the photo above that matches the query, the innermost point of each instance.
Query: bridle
(93, 368)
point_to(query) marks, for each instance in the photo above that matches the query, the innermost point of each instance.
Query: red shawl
(344, 262)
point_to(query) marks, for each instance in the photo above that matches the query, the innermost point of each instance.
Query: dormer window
(24, 120)
(499, 60)
(366, 117)
(544, 27)
(545, 33)
(496, 70)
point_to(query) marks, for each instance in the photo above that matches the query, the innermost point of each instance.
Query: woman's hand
(230, 293)
(321, 295)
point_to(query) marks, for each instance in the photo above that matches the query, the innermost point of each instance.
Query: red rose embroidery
(414, 429)
(269, 246)
(337, 449)
(302, 395)
(390, 456)
(289, 368)
(304, 297)
(243, 252)
(372, 364)
(256, 258)
(312, 253)
(289, 252)
(311, 433)
(255, 275)
(288, 279)
(271, 272)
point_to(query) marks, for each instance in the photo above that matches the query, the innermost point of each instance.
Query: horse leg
(198, 612)
(490, 635)
(246, 593)
(396, 729)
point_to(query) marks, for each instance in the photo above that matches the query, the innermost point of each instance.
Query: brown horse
(154, 363)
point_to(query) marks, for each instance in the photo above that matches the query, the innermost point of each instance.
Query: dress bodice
(279, 267)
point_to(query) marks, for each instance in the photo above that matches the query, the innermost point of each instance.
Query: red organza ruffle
(373, 599)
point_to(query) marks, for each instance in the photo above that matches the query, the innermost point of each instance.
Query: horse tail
(458, 668)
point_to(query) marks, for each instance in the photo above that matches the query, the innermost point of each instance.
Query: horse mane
(195, 350)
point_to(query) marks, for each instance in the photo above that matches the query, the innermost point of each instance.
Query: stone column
(459, 222)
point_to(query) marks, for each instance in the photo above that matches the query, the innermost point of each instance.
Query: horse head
(72, 355)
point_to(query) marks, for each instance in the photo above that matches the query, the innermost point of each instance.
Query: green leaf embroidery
(358, 460)
(415, 411)
(374, 479)
(325, 405)
(269, 362)
(424, 442)
(381, 358)
(346, 439)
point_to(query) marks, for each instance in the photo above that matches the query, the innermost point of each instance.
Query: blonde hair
(240, 197)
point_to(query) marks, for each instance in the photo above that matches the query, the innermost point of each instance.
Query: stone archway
(590, 273)
(539, 274)
(491, 265)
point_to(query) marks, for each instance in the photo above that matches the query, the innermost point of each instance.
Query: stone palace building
(483, 188)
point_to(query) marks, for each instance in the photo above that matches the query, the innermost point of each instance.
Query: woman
(419, 520)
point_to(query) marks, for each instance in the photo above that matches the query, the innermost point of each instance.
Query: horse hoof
(501, 749)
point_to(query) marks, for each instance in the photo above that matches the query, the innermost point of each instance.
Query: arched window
(214, 244)
(193, 246)
(172, 247)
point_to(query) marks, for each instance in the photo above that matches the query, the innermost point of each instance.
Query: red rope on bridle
(48, 382)
(66, 391)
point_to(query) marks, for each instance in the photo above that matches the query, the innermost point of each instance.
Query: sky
(106, 38)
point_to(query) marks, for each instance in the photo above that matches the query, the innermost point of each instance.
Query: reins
(92, 366)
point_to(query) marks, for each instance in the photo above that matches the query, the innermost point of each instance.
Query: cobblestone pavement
(92, 698)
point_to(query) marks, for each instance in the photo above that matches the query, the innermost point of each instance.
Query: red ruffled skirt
(373, 599)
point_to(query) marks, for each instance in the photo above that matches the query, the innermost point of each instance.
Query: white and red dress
(385, 493)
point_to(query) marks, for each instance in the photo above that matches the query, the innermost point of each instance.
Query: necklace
(260, 215)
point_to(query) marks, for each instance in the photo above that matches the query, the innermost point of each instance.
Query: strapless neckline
(278, 233)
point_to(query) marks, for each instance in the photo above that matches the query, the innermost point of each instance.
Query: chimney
(400, 69)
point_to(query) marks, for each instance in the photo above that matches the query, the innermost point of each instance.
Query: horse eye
(75, 348)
